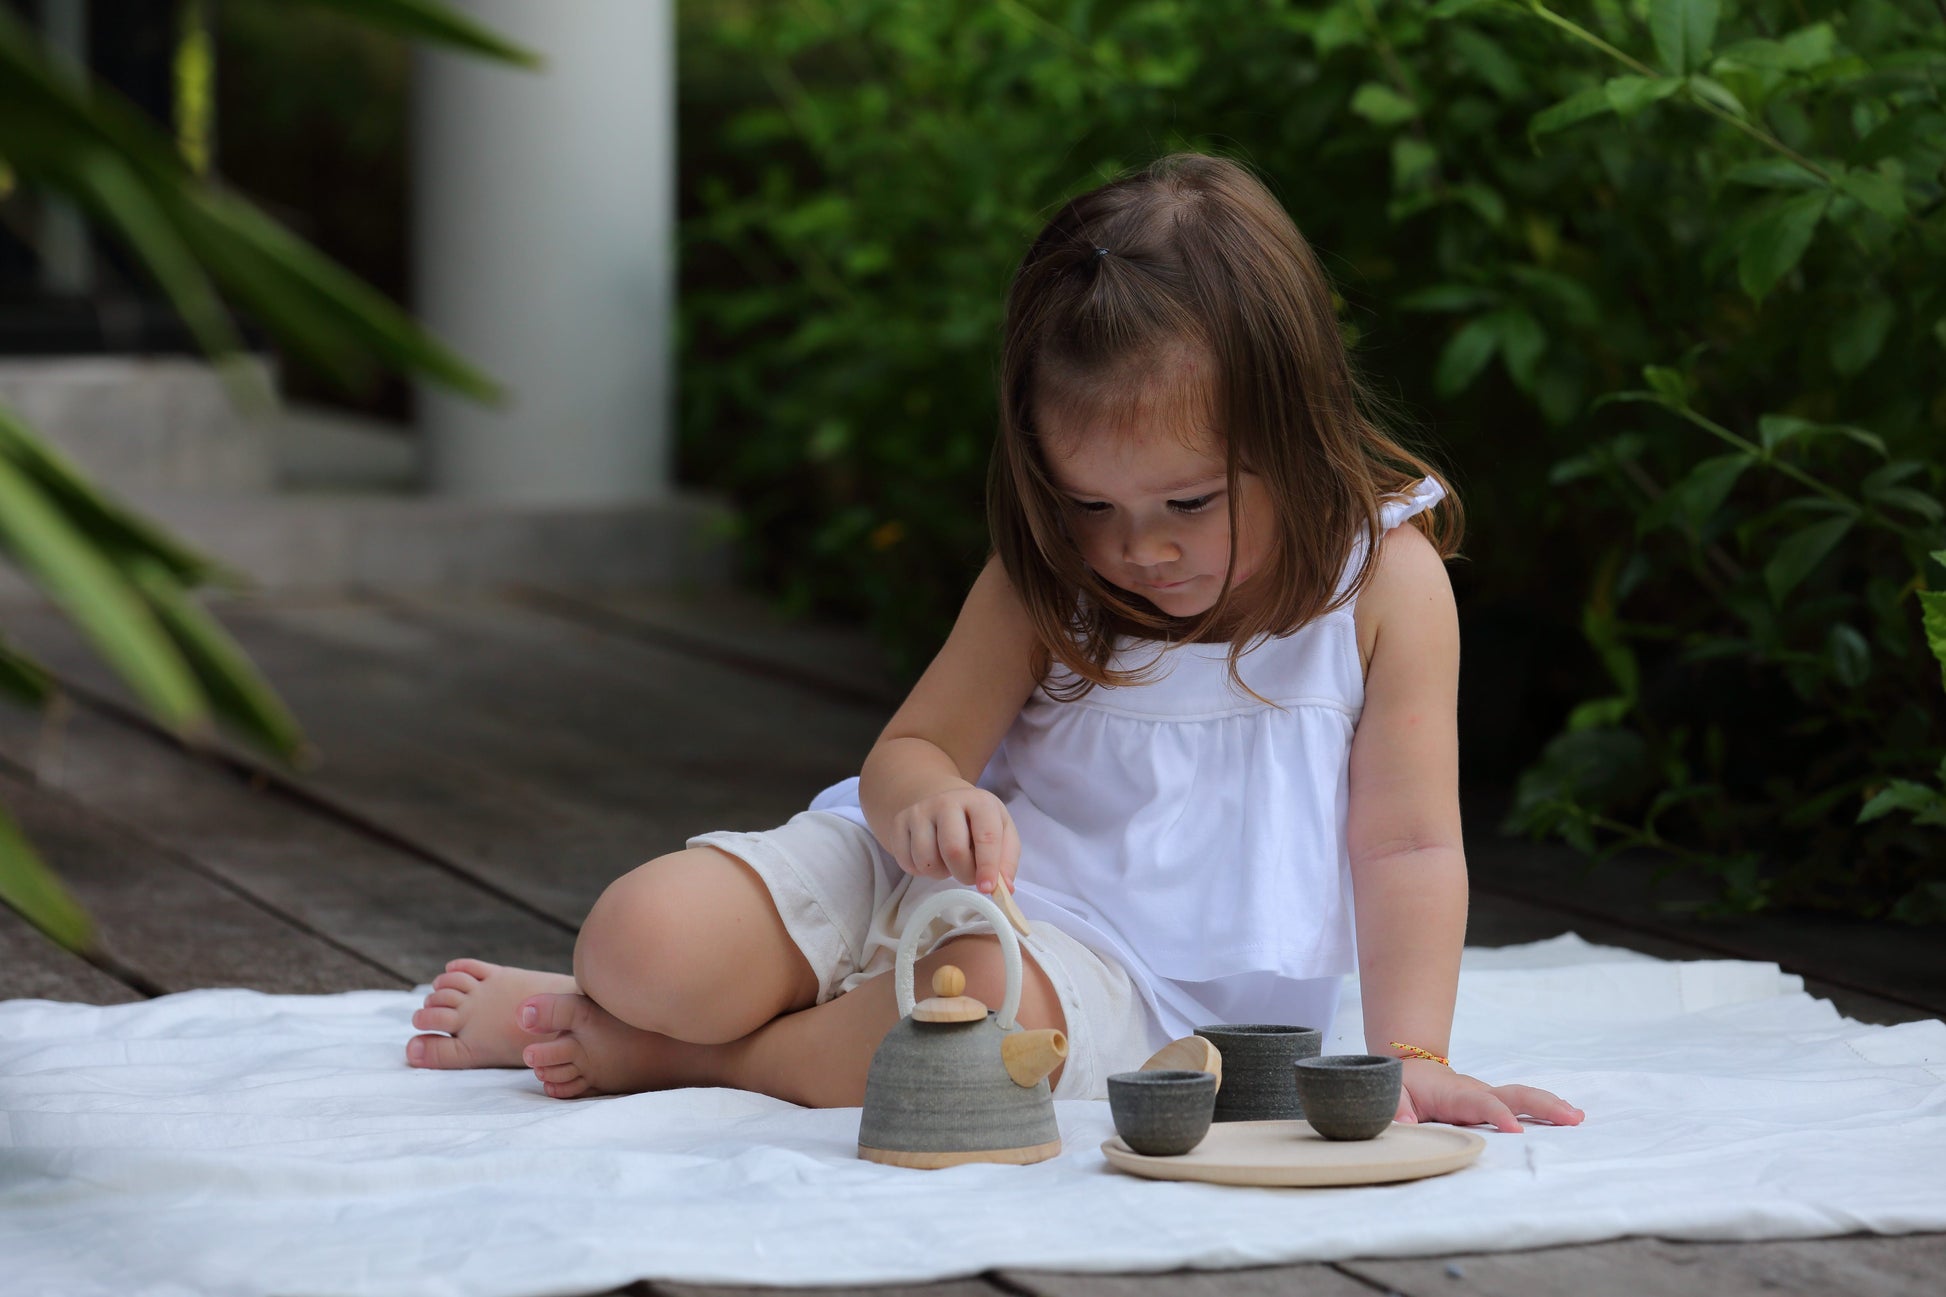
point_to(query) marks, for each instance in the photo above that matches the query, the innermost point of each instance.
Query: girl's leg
(817, 1057)
(688, 946)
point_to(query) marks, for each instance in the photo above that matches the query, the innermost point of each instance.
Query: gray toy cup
(1162, 1113)
(1349, 1096)
(1258, 1082)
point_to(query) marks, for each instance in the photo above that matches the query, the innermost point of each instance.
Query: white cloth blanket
(225, 1141)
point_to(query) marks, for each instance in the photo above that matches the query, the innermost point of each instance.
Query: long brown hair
(1200, 260)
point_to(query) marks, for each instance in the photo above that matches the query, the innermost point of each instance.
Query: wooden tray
(1291, 1153)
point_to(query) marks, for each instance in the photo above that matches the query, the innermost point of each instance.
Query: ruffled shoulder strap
(1423, 495)
(1392, 510)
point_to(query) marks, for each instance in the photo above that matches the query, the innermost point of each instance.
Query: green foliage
(125, 583)
(1525, 209)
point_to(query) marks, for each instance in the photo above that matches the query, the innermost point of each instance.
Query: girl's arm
(917, 785)
(1408, 860)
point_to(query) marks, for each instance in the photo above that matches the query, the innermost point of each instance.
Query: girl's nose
(1149, 547)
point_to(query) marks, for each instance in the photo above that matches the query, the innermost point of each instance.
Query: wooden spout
(1031, 1055)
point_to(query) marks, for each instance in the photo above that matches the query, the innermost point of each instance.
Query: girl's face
(1148, 504)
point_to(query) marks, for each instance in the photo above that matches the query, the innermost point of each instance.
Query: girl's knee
(668, 948)
(980, 958)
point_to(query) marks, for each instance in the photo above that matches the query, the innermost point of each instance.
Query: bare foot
(474, 1002)
(578, 1048)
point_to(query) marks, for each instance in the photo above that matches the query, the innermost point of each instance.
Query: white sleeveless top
(1188, 831)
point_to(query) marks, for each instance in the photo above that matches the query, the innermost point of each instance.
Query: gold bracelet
(1416, 1052)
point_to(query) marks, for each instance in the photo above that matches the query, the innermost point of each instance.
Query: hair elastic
(1100, 253)
(1415, 1052)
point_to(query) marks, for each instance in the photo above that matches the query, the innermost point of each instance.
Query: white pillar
(544, 237)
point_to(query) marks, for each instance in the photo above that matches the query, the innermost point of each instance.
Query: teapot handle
(927, 911)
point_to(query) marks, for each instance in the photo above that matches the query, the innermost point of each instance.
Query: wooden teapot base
(920, 1161)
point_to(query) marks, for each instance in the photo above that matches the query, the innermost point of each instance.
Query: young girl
(1191, 712)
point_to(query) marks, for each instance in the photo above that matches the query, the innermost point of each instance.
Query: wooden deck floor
(489, 764)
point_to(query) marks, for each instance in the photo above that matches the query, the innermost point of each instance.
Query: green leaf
(1598, 713)
(1704, 489)
(1899, 795)
(1857, 337)
(114, 528)
(238, 693)
(1800, 553)
(1883, 190)
(1850, 654)
(433, 23)
(1629, 95)
(1683, 30)
(72, 570)
(1773, 430)
(1591, 102)
(1412, 159)
(23, 678)
(1447, 297)
(1381, 104)
(1773, 173)
(1454, 8)
(1777, 241)
(1465, 355)
(1522, 340)
(1932, 616)
(1715, 92)
(1916, 502)
(27, 885)
(1668, 383)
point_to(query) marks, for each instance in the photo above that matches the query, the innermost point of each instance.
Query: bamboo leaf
(114, 527)
(433, 23)
(22, 677)
(122, 198)
(236, 690)
(73, 572)
(30, 887)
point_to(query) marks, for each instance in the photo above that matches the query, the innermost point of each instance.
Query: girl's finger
(955, 844)
(988, 835)
(925, 849)
(1539, 1103)
(1009, 849)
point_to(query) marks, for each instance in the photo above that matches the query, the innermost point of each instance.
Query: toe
(438, 1052)
(472, 967)
(465, 983)
(542, 1015)
(436, 1019)
(550, 1053)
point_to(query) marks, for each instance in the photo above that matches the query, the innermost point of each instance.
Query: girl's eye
(1090, 506)
(1197, 505)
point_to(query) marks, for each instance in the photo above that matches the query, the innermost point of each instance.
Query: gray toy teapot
(952, 1082)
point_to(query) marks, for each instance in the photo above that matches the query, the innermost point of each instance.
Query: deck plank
(1855, 1265)
(164, 926)
(545, 757)
(944, 1288)
(1315, 1280)
(399, 910)
(32, 967)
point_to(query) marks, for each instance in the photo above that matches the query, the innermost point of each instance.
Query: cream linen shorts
(844, 899)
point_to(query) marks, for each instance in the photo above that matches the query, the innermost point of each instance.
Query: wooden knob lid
(947, 1004)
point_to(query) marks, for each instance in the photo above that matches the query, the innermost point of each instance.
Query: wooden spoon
(1190, 1054)
(1004, 898)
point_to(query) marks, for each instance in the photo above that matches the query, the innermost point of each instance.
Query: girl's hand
(962, 833)
(1431, 1092)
